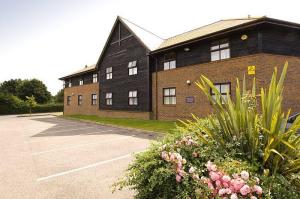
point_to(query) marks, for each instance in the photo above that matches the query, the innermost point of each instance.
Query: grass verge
(149, 125)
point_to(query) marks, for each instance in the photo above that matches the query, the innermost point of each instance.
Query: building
(139, 75)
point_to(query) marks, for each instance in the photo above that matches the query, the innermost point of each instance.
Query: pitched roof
(151, 40)
(81, 71)
(205, 30)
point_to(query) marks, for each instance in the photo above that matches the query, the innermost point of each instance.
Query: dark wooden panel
(280, 40)
(118, 57)
(200, 51)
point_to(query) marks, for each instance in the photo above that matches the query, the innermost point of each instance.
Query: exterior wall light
(186, 49)
(188, 82)
(244, 37)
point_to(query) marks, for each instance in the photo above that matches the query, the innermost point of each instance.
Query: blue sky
(49, 39)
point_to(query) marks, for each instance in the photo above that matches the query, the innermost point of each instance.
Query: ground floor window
(133, 98)
(94, 99)
(108, 99)
(68, 100)
(79, 100)
(223, 88)
(169, 96)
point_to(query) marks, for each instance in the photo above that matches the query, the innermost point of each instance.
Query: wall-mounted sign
(251, 70)
(190, 99)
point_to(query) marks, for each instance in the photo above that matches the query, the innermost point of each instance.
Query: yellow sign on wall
(251, 70)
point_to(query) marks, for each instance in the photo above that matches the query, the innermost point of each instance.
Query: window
(95, 78)
(94, 99)
(68, 100)
(80, 82)
(108, 99)
(132, 68)
(109, 73)
(79, 100)
(64, 84)
(223, 88)
(70, 84)
(133, 99)
(220, 50)
(169, 95)
(170, 61)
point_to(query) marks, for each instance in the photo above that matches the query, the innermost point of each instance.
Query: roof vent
(86, 66)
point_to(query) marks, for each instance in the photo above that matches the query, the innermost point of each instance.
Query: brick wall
(86, 91)
(219, 72)
(87, 109)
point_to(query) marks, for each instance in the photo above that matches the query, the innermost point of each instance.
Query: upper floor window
(94, 99)
(68, 100)
(169, 95)
(108, 99)
(70, 84)
(223, 88)
(80, 82)
(64, 84)
(133, 98)
(109, 73)
(132, 68)
(79, 100)
(220, 50)
(95, 78)
(169, 61)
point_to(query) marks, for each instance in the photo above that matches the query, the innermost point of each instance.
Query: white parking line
(83, 168)
(78, 146)
(49, 131)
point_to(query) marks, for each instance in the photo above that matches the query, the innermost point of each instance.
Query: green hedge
(10, 104)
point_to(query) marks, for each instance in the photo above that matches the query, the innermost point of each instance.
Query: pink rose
(226, 178)
(233, 196)
(253, 197)
(214, 176)
(257, 189)
(238, 184)
(210, 185)
(178, 178)
(218, 184)
(192, 170)
(222, 192)
(245, 190)
(245, 175)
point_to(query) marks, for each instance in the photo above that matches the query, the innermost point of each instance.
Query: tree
(31, 103)
(10, 86)
(59, 97)
(34, 88)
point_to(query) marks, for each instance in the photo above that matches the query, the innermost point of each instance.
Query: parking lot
(51, 157)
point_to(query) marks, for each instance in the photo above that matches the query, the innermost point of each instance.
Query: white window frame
(169, 96)
(133, 98)
(132, 68)
(95, 78)
(69, 99)
(81, 82)
(108, 99)
(94, 98)
(79, 100)
(221, 88)
(220, 50)
(108, 72)
(70, 84)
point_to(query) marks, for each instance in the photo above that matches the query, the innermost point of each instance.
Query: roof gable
(149, 40)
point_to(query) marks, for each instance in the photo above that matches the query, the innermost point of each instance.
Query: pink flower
(233, 196)
(245, 175)
(222, 192)
(218, 184)
(210, 185)
(256, 179)
(192, 170)
(214, 176)
(237, 184)
(245, 190)
(257, 189)
(211, 167)
(253, 197)
(178, 178)
(226, 178)
(164, 155)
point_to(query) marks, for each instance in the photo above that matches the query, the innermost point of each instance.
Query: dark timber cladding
(121, 48)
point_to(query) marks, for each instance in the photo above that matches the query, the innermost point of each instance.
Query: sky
(48, 39)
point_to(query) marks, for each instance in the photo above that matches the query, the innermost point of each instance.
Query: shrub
(238, 140)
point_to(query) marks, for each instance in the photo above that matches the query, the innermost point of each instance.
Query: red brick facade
(221, 72)
(86, 108)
